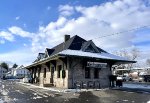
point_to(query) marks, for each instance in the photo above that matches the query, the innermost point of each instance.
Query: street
(14, 92)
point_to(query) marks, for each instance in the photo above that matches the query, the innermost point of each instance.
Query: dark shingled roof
(49, 51)
(74, 43)
(40, 56)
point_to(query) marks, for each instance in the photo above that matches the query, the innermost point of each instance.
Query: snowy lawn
(140, 86)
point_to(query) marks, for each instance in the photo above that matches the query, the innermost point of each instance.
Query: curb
(51, 89)
(64, 90)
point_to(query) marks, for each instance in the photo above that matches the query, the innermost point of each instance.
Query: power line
(126, 31)
(123, 31)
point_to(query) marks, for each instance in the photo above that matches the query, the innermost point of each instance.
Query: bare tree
(15, 66)
(132, 55)
(4, 65)
(148, 62)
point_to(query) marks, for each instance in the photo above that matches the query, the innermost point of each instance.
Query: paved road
(13, 92)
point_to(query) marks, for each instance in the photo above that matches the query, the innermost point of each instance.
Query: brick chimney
(66, 37)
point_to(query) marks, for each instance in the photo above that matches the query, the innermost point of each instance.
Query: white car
(26, 79)
(119, 78)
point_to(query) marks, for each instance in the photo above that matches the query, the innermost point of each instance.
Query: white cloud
(66, 10)
(2, 41)
(17, 18)
(48, 8)
(21, 56)
(25, 45)
(18, 31)
(25, 25)
(95, 21)
(6, 35)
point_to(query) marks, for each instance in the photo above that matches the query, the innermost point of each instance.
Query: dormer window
(89, 46)
(90, 49)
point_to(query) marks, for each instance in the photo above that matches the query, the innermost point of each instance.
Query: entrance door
(52, 75)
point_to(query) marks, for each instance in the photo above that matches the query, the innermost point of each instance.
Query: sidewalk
(55, 89)
(137, 85)
(47, 88)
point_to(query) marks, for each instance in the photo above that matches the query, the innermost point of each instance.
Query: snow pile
(1, 101)
(148, 102)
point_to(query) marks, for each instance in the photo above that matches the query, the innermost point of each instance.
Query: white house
(20, 72)
(2, 72)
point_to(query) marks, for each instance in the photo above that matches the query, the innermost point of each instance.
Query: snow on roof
(101, 55)
(20, 67)
(137, 68)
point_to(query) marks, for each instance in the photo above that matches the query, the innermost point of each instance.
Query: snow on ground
(140, 86)
(1, 101)
(148, 102)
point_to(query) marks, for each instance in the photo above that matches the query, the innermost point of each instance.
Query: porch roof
(80, 53)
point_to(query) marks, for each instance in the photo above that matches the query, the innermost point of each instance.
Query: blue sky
(29, 15)
(29, 26)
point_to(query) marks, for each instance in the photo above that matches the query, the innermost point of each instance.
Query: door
(52, 75)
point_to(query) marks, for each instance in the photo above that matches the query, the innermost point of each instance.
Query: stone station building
(75, 62)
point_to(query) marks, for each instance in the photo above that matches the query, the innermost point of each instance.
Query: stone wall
(43, 80)
(60, 82)
(75, 74)
(57, 82)
(78, 74)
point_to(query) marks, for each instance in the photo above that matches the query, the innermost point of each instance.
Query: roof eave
(116, 60)
(42, 61)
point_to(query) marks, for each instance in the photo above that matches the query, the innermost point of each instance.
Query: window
(44, 73)
(87, 72)
(59, 71)
(96, 73)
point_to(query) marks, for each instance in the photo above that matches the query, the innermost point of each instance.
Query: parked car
(146, 78)
(126, 78)
(141, 79)
(119, 81)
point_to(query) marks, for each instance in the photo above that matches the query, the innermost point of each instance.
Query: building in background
(20, 72)
(3, 71)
